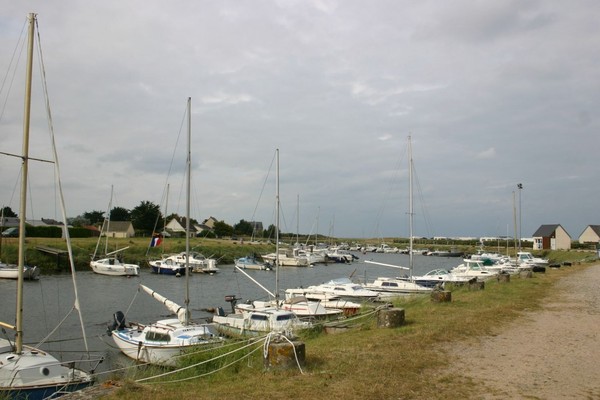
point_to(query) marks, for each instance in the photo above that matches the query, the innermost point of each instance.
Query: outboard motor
(118, 322)
(233, 300)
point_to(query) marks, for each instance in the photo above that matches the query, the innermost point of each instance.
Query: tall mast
(410, 206)
(187, 213)
(108, 220)
(24, 173)
(277, 228)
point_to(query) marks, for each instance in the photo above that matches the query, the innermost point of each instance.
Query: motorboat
(287, 258)
(473, 269)
(439, 276)
(258, 321)
(175, 264)
(397, 286)
(525, 257)
(326, 300)
(345, 289)
(252, 262)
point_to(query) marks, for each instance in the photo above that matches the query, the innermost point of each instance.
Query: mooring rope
(200, 363)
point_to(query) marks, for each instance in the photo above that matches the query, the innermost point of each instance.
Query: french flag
(156, 241)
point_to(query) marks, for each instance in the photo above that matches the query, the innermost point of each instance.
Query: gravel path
(553, 353)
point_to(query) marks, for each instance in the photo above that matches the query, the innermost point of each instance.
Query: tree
(120, 214)
(145, 215)
(243, 228)
(78, 221)
(270, 232)
(222, 229)
(7, 212)
(94, 217)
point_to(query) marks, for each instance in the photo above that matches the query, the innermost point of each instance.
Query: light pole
(520, 187)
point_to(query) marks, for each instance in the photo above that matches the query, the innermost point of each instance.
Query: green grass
(408, 362)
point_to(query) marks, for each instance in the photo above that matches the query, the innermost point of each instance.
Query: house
(178, 224)
(591, 234)
(551, 237)
(210, 222)
(257, 227)
(120, 229)
(9, 222)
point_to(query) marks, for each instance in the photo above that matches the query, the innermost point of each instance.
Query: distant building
(178, 225)
(9, 222)
(119, 229)
(551, 237)
(210, 222)
(591, 234)
(257, 227)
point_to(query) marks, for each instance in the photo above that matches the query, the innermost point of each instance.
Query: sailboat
(259, 319)
(27, 372)
(162, 341)
(110, 264)
(402, 285)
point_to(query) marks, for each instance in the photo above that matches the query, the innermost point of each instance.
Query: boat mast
(277, 228)
(515, 222)
(410, 206)
(187, 213)
(108, 219)
(24, 173)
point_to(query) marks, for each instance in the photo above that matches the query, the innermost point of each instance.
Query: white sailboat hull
(35, 374)
(162, 342)
(112, 266)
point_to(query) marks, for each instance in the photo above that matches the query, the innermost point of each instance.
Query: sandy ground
(549, 354)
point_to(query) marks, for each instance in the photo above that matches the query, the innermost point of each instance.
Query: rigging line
(55, 329)
(258, 342)
(262, 191)
(58, 182)
(426, 217)
(20, 43)
(394, 179)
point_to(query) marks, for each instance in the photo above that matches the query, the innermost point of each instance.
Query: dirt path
(549, 354)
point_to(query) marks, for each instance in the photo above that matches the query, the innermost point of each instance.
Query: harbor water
(51, 299)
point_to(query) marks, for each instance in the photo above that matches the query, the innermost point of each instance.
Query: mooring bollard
(390, 317)
(282, 354)
(441, 296)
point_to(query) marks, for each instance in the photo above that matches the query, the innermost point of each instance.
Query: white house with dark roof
(551, 237)
(119, 229)
(591, 234)
(177, 225)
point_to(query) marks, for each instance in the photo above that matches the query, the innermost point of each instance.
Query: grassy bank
(370, 362)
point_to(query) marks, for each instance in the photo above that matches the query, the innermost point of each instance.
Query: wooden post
(503, 278)
(476, 285)
(441, 296)
(390, 317)
(283, 354)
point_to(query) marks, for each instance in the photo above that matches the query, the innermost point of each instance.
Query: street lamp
(520, 187)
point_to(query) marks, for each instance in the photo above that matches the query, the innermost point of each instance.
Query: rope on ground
(253, 343)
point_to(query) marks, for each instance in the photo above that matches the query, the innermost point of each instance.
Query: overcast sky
(492, 93)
